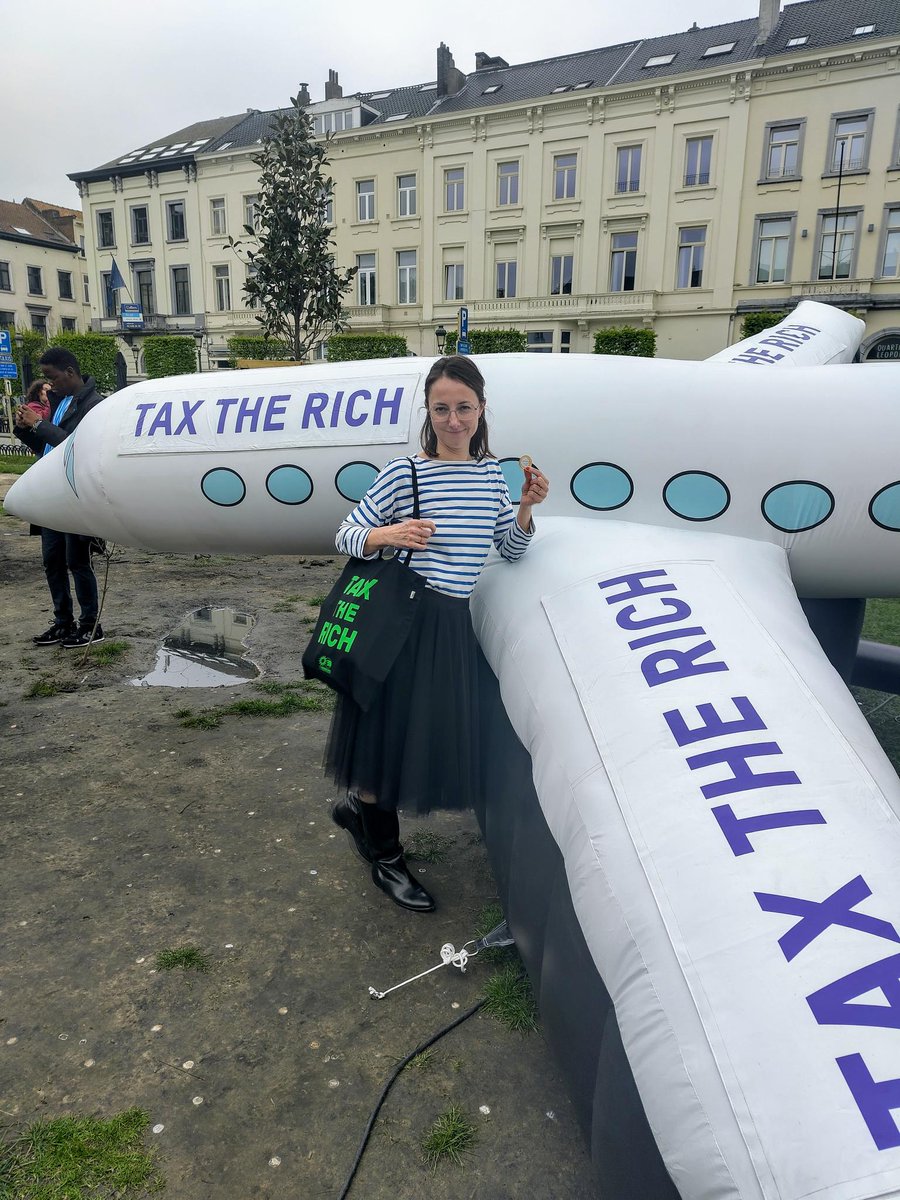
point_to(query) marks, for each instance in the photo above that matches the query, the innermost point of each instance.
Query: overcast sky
(85, 83)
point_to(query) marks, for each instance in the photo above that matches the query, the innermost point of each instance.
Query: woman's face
(455, 411)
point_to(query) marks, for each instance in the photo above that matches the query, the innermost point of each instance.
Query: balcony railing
(600, 304)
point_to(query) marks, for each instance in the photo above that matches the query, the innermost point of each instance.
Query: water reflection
(206, 650)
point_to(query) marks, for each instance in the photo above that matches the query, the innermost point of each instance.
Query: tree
(293, 275)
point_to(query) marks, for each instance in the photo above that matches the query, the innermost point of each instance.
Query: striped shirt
(468, 502)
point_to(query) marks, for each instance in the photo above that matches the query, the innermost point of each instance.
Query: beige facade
(44, 282)
(678, 203)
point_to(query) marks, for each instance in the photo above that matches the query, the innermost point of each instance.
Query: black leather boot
(346, 815)
(389, 869)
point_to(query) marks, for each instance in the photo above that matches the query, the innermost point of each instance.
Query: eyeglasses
(440, 412)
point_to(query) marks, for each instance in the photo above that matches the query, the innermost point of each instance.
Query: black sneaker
(85, 635)
(54, 635)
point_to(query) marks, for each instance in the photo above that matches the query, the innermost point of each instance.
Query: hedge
(256, 347)
(491, 341)
(756, 322)
(96, 354)
(349, 347)
(625, 339)
(169, 354)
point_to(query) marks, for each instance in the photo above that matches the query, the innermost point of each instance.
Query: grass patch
(104, 653)
(316, 601)
(79, 1158)
(882, 623)
(16, 464)
(428, 847)
(450, 1137)
(286, 699)
(47, 686)
(509, 998)
(282, 606)
(424, 1061)
(185, 958)
(489, 918)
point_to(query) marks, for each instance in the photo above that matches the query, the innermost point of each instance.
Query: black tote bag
(364, 622)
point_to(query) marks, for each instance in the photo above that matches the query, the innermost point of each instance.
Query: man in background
(71, 397)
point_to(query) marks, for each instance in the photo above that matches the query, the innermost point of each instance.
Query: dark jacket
(48, 434)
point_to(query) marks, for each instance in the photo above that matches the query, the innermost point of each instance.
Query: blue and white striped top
(468, 502)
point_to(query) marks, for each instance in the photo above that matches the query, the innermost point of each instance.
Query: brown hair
(461, 368)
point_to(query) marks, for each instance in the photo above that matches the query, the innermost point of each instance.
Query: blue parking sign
(5, 341)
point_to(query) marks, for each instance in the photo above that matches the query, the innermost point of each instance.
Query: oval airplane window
(884, 508)
(354, 479)
(514, 476)
(798, 505)
(223, 486)
(696, 496)
(69, 463)
(602, 486)
(289, 485)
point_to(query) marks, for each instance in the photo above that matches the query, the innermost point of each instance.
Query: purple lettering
(713, 725)
(315, 403)
(224, 404)
(666, 635)
(831, 1005)
(187, 420)
(755, 355)
(816, 917)
(636, 586)
(336, 409)
(874, 1099)
(684, 664)
(162, 420)
(349, 415)
(625, 618)
(275, 408)
(248, 411)
(737, 829)
(742, 778)
(391, 406)
(143, 409)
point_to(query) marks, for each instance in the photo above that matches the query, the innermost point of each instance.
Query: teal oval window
(884, 508)
(354, 479)
(798, 505)
(223, 486)
(602, 486)
(69, 463)
(289, 485)
(514, 476)
(696, 496)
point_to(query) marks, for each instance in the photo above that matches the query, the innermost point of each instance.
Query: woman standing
(417, 746)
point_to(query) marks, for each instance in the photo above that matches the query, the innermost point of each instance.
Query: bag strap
(415, 491)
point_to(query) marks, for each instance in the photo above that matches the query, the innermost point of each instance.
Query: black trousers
(63, 553)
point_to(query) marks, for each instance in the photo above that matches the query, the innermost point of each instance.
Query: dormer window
(661, 60)
(489, 91)
(397, 117)
(798, 41)
(563, 87)
(585, 83)
(860, 29)
(725, 48)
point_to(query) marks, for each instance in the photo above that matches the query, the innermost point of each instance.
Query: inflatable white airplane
(727, 821)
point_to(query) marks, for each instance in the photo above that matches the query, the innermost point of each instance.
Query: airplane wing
(729, 832)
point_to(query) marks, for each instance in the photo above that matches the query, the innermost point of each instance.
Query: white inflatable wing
(729, 828)
(813, 335)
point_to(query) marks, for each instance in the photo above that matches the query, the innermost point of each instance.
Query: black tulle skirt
(417, 746)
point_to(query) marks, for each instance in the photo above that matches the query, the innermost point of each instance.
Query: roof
(57, 209)
(21, 224)
(810, 24)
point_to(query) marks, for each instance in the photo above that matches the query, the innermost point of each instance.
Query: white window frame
(773, 144)
(250, 203)
(688, 252)
(782, 246)
(508, 182)
(565, 175)
(407, 198)
(851, 165)
(844, 229)
(407, 278)
(619, 258)
(506, 279)
(627, 180)
(890, 242)
(558, 271)
(454, 281)
(696, 178)
(218, 216)
(367, 280)
(222, 287)
(365, 200)
(454, 189)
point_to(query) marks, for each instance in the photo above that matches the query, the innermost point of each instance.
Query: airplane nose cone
(46, 494)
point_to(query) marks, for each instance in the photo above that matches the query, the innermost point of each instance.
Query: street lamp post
(199, 335)
(441, 334)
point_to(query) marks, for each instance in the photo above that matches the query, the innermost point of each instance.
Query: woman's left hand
(535, 489)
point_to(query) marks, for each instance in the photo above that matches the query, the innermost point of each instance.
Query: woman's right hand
(405, 535)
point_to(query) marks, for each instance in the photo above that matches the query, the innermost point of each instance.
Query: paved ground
(125, 833)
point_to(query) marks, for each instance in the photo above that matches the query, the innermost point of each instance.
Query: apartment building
(675, 183)
(43, 273)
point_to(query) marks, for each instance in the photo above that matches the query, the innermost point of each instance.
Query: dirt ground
(125, 833)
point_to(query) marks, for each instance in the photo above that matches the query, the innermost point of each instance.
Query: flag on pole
(116, 280)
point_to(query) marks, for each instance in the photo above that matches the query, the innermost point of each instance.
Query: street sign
(132, 316)
(463, 329)
(8, 370)
(464, 347)
(5, 341)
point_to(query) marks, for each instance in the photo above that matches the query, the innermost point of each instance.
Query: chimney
(333, 90)
(449, 79)
(484, 62)
(303, 94)
(769, 12)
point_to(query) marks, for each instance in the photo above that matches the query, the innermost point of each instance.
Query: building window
(39, 323)
(406, 277)
(506, 279)
(140, 226)
(218, 218)
(773, 247)
(783, 152)
(561, 274)
(454, 189)
(836, 245)
(144, 291)
(35, 281)
(222, 282)
(64, 280)
(564, 166)
(7, 319)
(565, 342)
(539, 341)
(251, 212)
(251, 302)
(890, 263)
(507, 183)
(5, 277)
(623, 262)
(68, 324)
(406, 195)
(365, 200)
(106, 231)
(86, 289)
(328, 207)
(698, 158)
(628, 169)
(110, 295)
(849, 149)
(691, 250)
(365, 276)
(454, 281)
(181, 291)
(175, 221)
